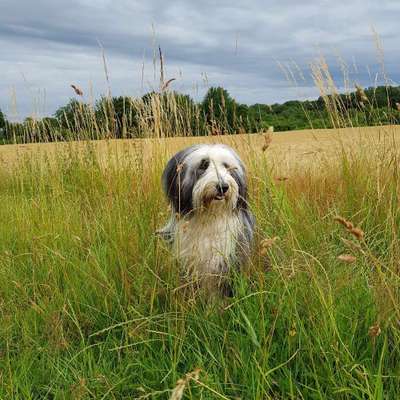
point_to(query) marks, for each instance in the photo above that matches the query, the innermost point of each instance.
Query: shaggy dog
(211, 227)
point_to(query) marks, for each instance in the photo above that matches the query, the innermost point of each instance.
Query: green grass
(88, 307)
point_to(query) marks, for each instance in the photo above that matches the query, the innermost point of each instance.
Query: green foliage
(77, 117)
(219, 110)
(171, 114)
(2, 120)
(117, 116)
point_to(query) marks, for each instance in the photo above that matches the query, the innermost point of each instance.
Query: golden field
(286, 149)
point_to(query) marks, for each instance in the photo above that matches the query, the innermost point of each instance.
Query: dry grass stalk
(177, 393)
(267, 138)
(347, 258)
(216, 130)
(356, 232)
(161, 67)
(360, 93)
(325, 83)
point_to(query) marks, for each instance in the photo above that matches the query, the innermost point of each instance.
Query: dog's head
(204, 176)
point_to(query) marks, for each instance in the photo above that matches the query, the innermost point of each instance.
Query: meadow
(90, 299)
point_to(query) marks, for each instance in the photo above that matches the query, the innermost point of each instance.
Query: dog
(211, 227)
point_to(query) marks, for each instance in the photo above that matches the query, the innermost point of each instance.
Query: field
(90, 304)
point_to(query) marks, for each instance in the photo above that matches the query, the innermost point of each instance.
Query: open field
(88, 299)
(290, 147)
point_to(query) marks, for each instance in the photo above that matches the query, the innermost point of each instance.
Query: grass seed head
(266, 244)
(281, 178)
(374, 331)
(357, 232)
(78, 91)
(293, 331)
(177, 393)
(343, 221)
(360, 93)
(347, 258)
(267, 141)
(166, 84)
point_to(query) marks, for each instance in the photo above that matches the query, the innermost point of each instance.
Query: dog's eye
(204, 165)
(229, 168)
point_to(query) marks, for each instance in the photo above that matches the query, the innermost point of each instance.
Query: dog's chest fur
(206, 243)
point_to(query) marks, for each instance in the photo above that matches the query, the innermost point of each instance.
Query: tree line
(170, 113)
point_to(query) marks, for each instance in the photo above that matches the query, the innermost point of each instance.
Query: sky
(244, 46)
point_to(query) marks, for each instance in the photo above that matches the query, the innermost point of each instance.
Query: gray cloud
(47, 45)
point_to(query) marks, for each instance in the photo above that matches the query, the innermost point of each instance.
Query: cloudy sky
(46, 45)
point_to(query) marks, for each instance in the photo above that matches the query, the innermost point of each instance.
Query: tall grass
(90, 305)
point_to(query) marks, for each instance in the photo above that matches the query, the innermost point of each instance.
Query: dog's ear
(239, 175)
(179, 195)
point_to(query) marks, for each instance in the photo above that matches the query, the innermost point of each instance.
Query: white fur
(205, 244)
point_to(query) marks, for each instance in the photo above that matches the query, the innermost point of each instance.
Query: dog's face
(205, 176)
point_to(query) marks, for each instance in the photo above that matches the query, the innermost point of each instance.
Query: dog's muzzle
(221, 190)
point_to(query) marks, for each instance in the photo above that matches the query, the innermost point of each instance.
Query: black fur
(180, 195)
(240, 180)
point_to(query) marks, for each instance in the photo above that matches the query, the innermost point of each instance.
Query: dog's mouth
(216, 198)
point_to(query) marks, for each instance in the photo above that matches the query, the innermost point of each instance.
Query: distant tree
(39, 130)
(49, 129)
(14, 132)
(171, 114)
(245, 120)
(182, 113)
(3, 127)
(50, 122)
(219, 110)
(2, 121)
(147, 97)
(117, 116)
(77, 118)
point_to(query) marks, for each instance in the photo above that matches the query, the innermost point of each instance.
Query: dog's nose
(222, 188)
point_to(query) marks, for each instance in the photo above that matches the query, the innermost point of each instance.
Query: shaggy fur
(211, 226)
